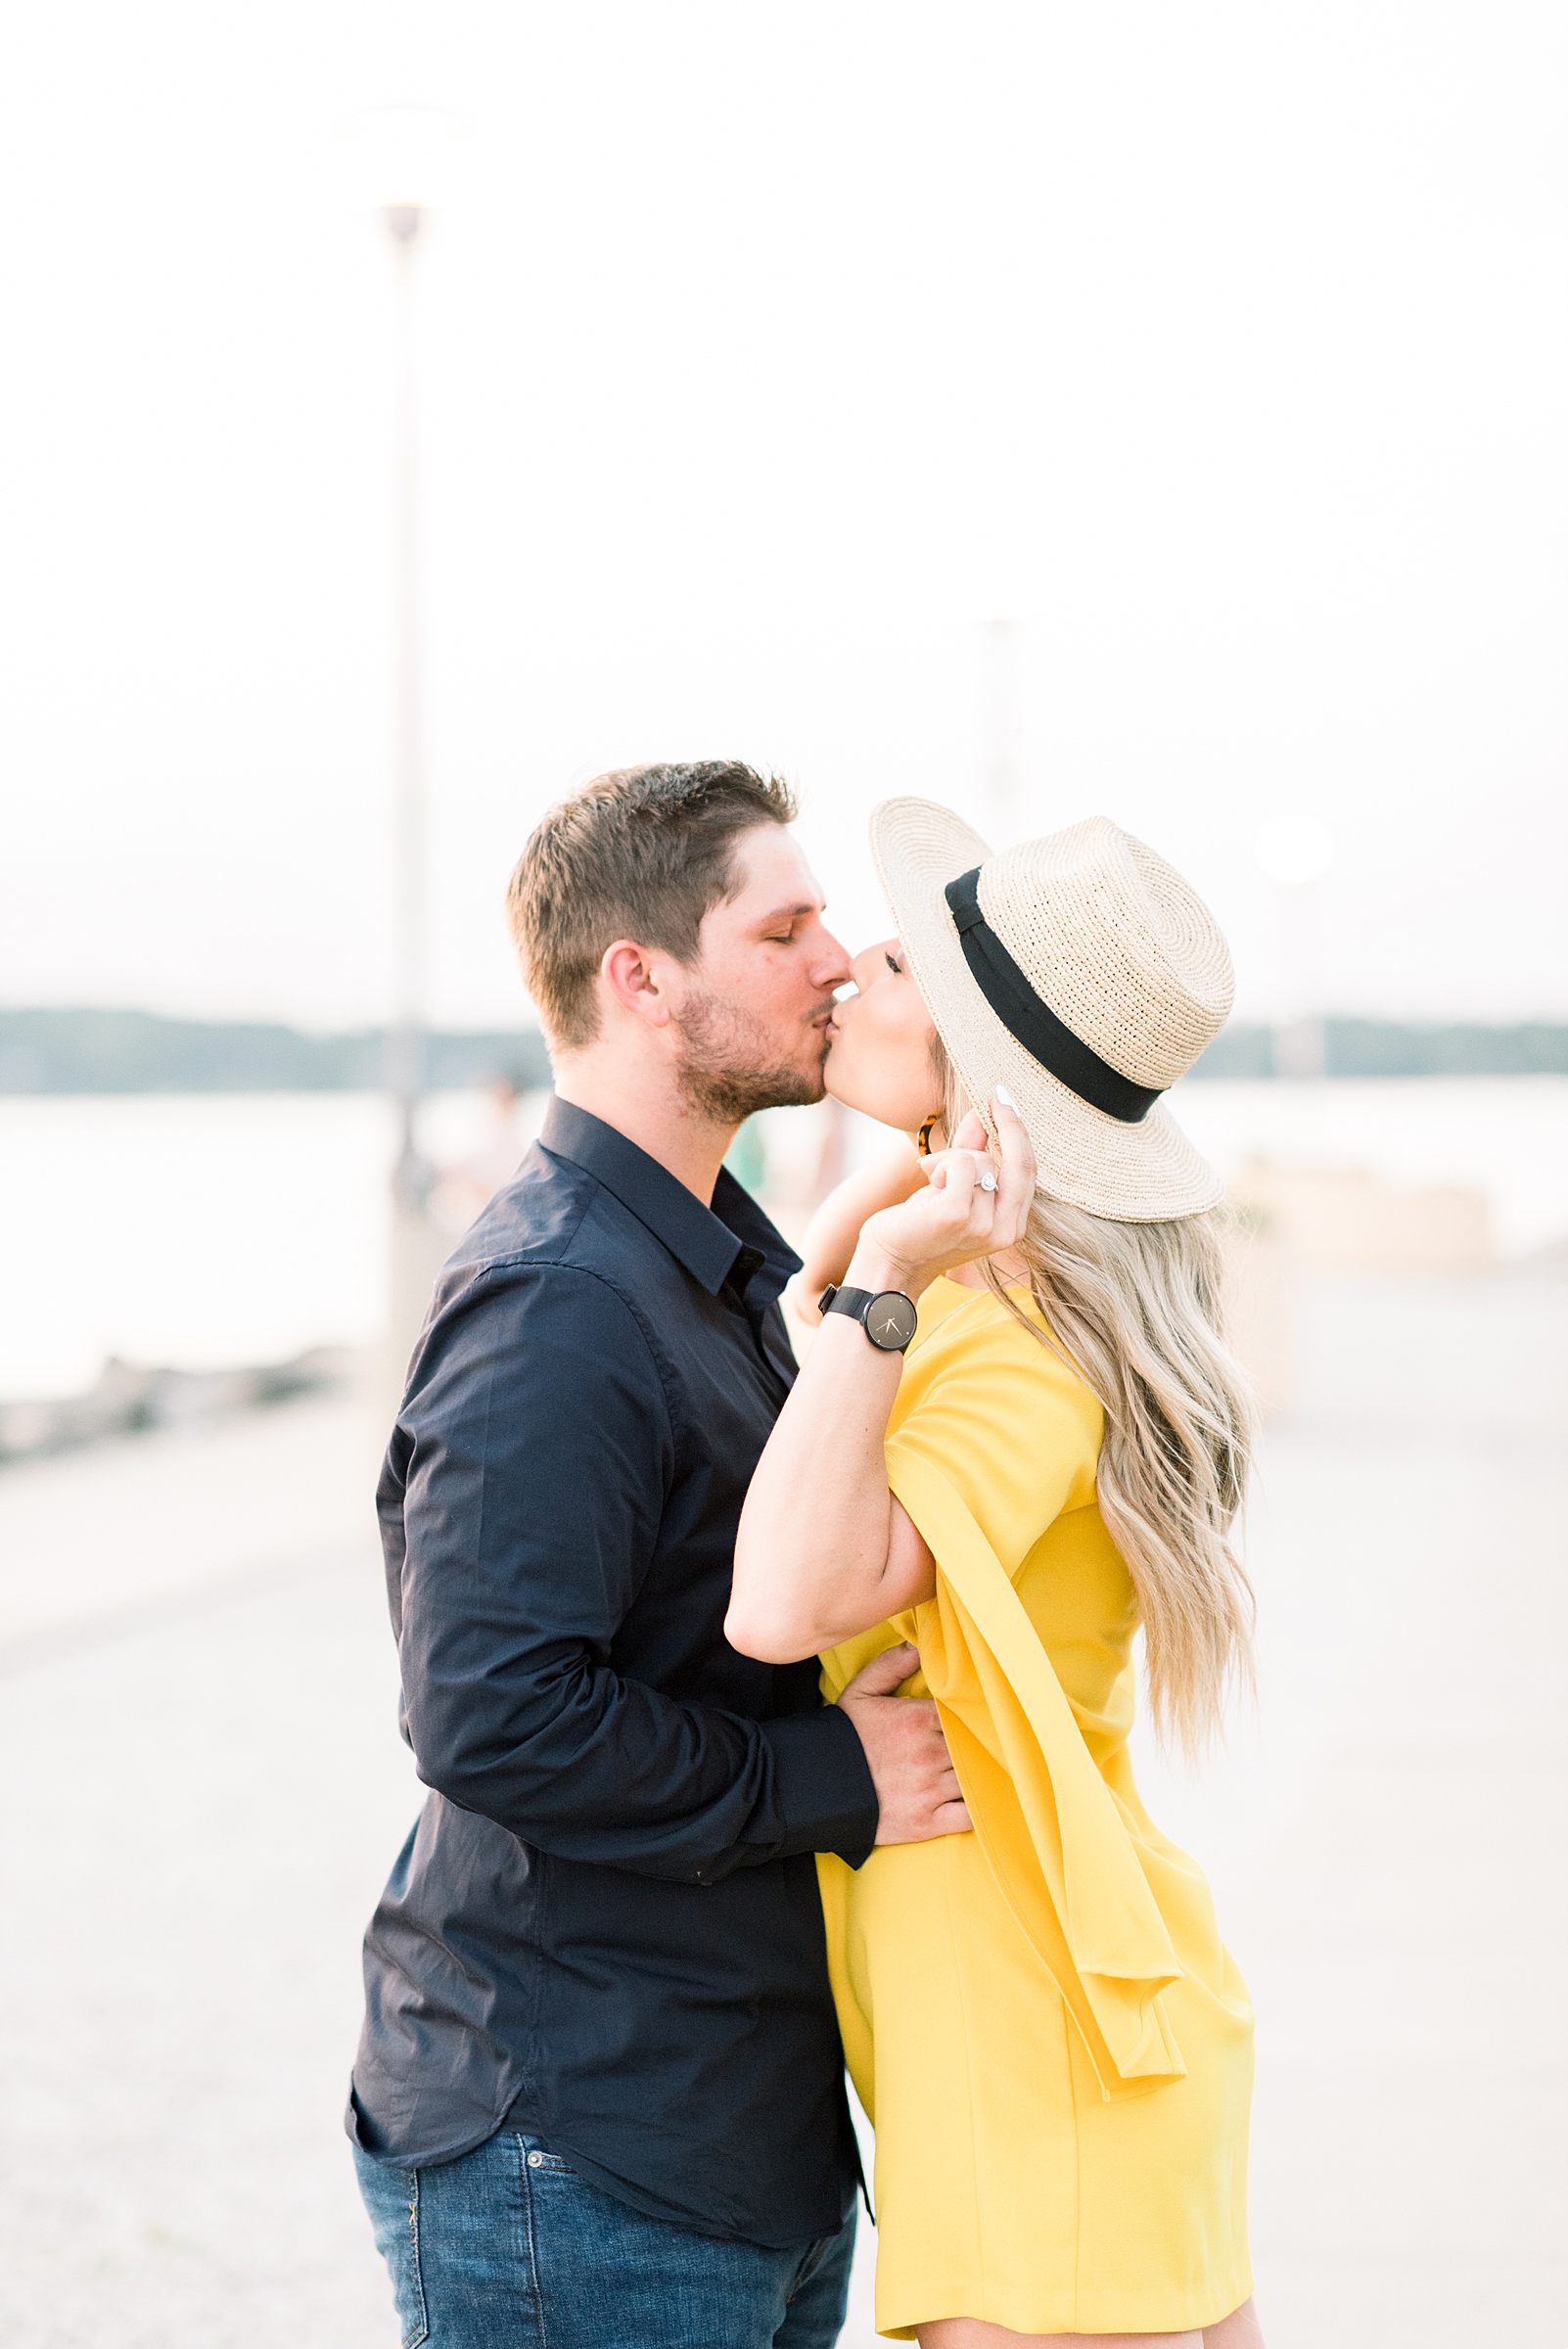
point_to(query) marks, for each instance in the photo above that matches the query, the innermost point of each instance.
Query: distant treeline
(1388, 1048)
(140, 1052)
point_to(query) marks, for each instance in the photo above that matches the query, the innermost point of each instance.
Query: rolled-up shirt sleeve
(521, 1504)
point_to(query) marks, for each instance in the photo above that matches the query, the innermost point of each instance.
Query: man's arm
(535, 1451)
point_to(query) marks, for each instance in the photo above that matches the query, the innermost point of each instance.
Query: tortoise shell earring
(923, 1141)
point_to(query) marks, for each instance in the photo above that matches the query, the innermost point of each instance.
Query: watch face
(889, 1320)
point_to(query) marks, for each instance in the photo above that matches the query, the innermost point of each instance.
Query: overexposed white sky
(770, 352)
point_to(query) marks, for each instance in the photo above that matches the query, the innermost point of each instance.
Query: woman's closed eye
(893, 963)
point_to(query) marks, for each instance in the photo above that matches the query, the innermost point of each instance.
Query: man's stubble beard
(725, 1072)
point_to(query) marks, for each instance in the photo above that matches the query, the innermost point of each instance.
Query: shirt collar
(707, 1241)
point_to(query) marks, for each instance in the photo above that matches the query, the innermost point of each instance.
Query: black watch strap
(886, 1316)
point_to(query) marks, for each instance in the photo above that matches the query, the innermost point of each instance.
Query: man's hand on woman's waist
(918, 1795)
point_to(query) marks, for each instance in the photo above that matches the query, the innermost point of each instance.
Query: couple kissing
(773, 1700)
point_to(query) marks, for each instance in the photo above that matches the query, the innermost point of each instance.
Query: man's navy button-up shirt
(605, 1927)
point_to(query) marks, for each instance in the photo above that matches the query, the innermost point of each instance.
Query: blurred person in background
(1017, 1435)
(464, 1185)
(599, 2095)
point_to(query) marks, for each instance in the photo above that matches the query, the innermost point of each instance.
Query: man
(599, 2098)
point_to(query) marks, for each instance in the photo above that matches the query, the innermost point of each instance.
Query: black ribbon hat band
(1035, 1025)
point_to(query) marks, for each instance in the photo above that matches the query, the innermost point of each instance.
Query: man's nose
(832, 966)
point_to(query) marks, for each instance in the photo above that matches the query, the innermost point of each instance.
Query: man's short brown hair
(642, 854)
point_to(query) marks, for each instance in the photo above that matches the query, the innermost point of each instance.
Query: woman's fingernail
(1005, 1097)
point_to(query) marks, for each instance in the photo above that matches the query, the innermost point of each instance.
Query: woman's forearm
(823, 1550)
(834, 1231)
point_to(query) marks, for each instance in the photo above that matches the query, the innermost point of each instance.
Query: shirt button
(535, 2161)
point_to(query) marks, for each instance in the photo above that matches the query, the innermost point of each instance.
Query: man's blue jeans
(509, 2248)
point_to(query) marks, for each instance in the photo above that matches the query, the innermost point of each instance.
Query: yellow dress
(1041, 2019)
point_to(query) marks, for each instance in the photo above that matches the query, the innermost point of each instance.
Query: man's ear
(627, 970)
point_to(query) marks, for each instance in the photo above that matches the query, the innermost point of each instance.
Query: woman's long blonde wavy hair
(1137, 1311)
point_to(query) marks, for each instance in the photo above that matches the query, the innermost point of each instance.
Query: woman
(1040, 2016)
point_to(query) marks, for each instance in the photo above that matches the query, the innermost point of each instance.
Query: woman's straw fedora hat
(1080, 971)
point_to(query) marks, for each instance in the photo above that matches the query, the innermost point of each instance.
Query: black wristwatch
(886, 1316)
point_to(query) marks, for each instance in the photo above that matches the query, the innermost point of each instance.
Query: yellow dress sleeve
(996, 1439)
(1007, 1426)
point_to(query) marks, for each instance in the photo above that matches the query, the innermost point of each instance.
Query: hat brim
(1143, 1174)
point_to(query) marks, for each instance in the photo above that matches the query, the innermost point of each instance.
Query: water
(207, 1229)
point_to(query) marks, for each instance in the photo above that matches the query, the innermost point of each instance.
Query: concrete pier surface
(203, 1789)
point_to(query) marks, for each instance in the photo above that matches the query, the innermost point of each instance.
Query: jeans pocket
(542, 2162)
(391, 2197)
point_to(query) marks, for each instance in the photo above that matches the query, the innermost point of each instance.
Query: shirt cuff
(823, 1785)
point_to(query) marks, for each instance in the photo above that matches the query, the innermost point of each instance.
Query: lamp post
(405, 1041)
(402, 149)
(1295, 851)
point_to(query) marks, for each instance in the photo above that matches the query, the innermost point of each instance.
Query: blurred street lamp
(401, 150)
(1294, 853)
(405, 1042)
